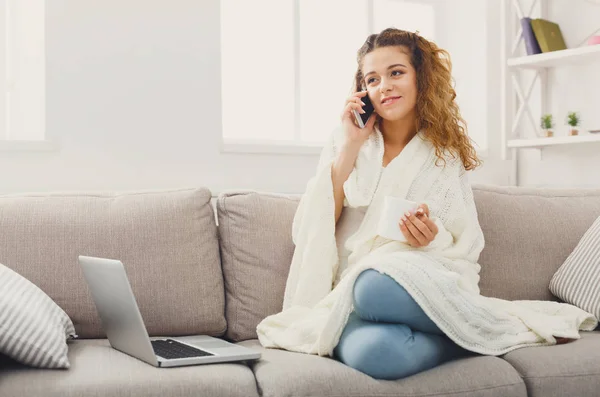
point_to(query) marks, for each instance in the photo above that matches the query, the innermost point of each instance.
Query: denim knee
(368, 289)
(382, 355)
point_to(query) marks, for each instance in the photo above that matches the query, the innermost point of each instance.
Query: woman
(391, 308)
(400, 72)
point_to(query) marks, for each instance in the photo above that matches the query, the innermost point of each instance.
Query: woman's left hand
(418, 228)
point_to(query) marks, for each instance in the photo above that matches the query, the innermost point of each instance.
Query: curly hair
(438, 115)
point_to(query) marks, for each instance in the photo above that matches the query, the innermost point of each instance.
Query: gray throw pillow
(33, 328)
(577, 280)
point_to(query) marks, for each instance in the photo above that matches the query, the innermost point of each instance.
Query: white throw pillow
(33, 328)
(577, 281)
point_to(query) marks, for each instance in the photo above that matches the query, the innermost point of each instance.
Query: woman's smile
(389, 101)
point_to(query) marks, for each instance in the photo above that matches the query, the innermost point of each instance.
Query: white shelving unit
(515, 97)
(539, 143)
(556, 58)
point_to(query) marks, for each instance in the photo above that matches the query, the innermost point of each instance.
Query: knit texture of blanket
(442, 277)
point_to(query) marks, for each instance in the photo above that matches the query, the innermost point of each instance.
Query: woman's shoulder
(446, 158)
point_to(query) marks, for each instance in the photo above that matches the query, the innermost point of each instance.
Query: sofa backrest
(528, 233)
(166, 240)
(255, 231)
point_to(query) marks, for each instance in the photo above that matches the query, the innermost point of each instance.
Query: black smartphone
(362, 119)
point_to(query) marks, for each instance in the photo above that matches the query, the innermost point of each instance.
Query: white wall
(133, 97)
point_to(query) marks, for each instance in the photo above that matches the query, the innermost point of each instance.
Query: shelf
(557, 58)
(538, 143)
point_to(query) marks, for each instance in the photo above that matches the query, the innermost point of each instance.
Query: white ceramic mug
(389, 219)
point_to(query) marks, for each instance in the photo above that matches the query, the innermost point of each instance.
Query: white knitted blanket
(442, 277)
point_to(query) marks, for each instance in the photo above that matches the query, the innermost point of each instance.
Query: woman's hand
(356, 136)
(418, 228)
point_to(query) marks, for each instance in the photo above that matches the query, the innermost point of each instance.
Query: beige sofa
(191, 276)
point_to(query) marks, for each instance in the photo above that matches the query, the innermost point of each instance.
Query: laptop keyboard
(170, 349)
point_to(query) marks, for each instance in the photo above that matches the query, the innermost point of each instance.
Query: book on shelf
(548, 35)
(531, 44)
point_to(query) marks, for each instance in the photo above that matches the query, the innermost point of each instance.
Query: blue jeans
(388, 336)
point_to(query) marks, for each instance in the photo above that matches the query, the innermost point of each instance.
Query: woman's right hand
(356, 136)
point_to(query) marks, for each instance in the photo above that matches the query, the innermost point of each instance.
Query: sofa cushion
(571, 369)
(577, 280)
(529, 232)
(283, 373)
(167, 241)
(255, 231)
(99, 370)
(33, 329)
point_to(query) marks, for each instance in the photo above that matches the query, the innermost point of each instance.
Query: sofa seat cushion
(99, 370)
(571, 369)
(283, 373)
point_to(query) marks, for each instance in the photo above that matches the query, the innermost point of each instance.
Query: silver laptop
(126, 332)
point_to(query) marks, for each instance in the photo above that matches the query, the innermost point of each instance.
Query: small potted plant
(573, 121)
(547, 124)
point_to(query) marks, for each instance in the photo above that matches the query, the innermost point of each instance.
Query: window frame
(295, 146)
(11, 140)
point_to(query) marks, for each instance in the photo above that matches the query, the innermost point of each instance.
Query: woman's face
(391, 82)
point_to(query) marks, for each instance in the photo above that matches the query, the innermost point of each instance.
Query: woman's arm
(340, 171)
